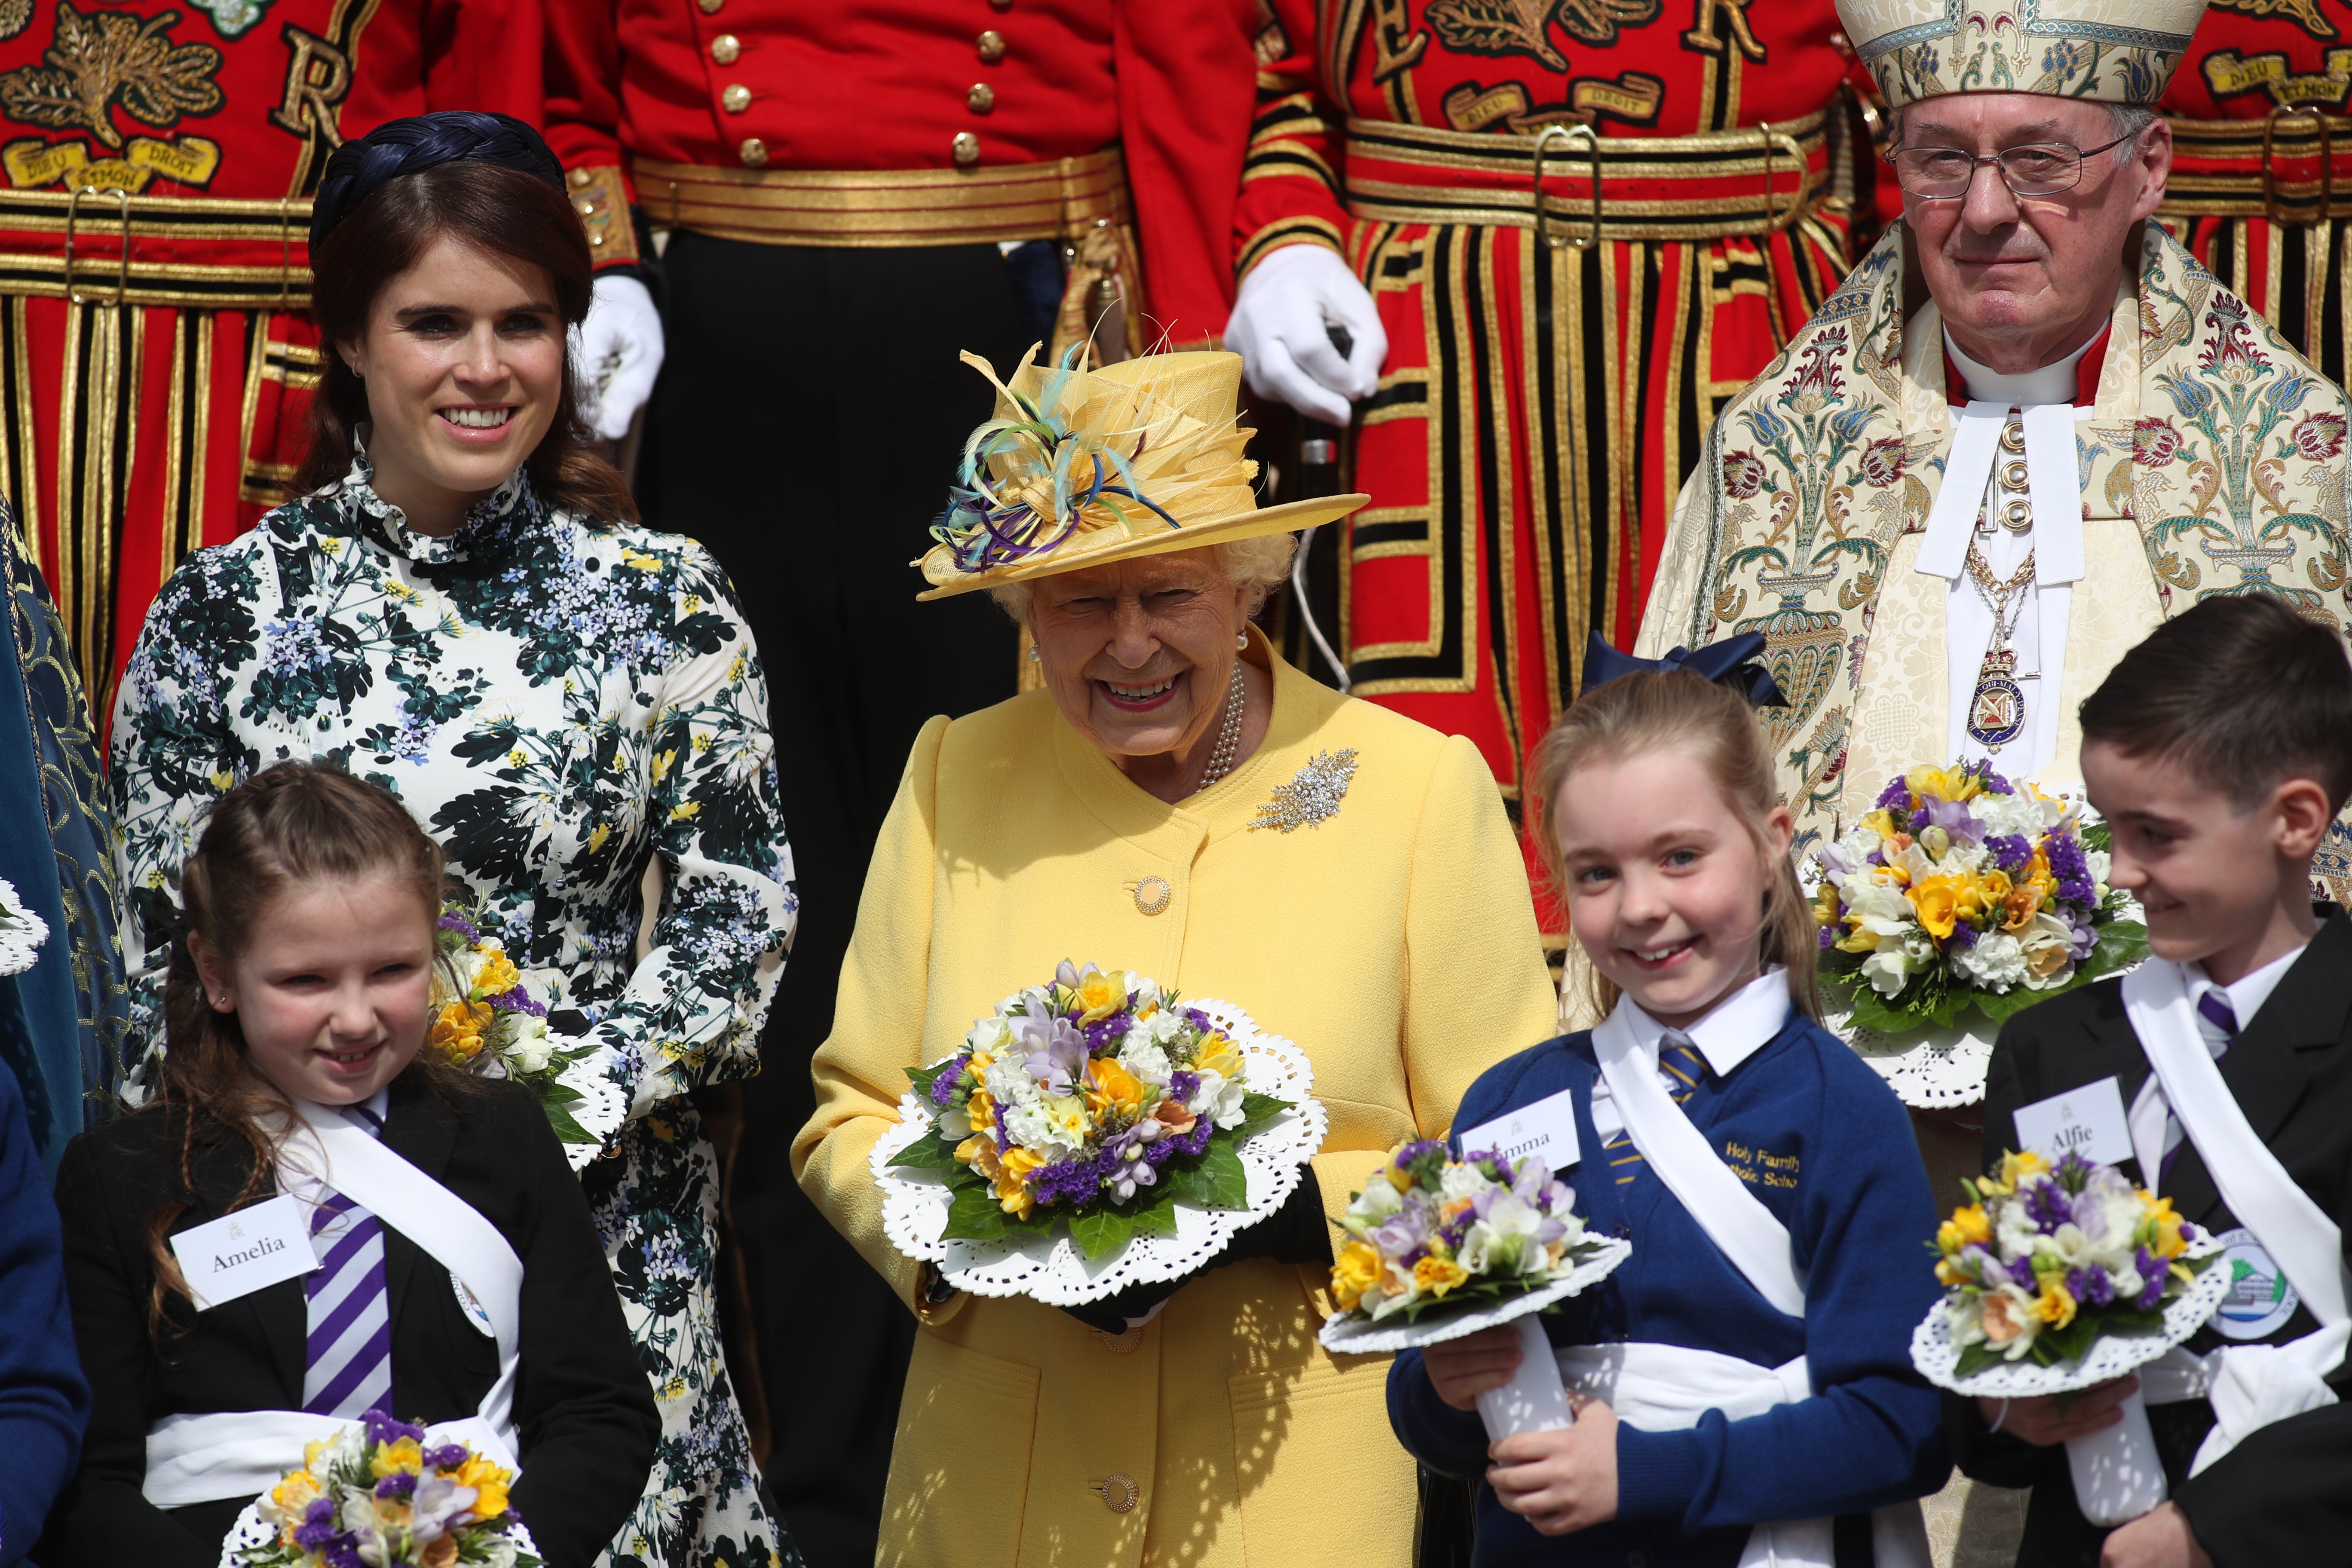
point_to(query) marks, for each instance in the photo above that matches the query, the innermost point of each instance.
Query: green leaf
(1103, 1231)
(1156, 1216)
(928, 1153)
(1258, 1111)
(974, 1216)
(552, 1092)
(923, 1078)
(1215, 1180)
(566, 1129)
(1975, 1358)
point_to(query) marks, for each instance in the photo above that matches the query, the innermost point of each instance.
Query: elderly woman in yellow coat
(1180, 802)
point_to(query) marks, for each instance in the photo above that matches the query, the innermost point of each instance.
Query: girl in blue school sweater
(1667, 842)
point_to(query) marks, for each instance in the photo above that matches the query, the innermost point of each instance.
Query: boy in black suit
(2219, 751)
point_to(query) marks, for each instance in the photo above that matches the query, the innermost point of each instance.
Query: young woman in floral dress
(464, 609)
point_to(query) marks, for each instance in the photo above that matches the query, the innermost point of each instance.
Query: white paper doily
(1344, 1332)
(22, 932)
(2111, 1355)
(252, 1530)
(1051, 1268)
(1931, 1069)
(601, 1108)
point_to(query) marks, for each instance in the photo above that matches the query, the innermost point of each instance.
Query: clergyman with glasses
(2028, 427)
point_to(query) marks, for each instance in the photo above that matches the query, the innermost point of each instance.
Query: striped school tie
(2220, 1033)
(1682, 1069)
(349, 1370)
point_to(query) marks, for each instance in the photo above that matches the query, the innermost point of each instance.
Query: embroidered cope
(558, 704)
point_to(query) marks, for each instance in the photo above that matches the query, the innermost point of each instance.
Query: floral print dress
(557, 703)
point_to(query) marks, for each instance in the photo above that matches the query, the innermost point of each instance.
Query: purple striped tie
(2214, 1007)
(349, 1363)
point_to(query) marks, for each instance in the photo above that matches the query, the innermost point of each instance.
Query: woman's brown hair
(296, 825)
(1713, 725)
(500, 210)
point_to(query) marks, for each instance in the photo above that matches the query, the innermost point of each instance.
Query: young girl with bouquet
(1743, 1381)
(313, 1221)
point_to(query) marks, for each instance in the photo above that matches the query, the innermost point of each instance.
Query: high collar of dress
(2073, 379)
(490, 524)
(1731, 1031)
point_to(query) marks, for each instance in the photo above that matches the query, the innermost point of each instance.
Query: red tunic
(2276, 244)
(136, 434)
(1541, 404)
(891, 84)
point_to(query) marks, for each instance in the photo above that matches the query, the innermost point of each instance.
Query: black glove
(1297, 1233)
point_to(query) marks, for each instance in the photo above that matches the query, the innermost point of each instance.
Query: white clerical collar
(1743, 1022)
(2023, 389)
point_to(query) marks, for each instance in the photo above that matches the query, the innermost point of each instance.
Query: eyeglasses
(2037, 169)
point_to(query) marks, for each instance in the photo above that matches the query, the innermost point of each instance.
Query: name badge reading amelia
(1546, 1126)
(2088, 1121)
(239, 1254)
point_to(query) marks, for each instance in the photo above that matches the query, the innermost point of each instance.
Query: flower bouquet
(491, 1019)
(1093, 1133)
(2061, 1277)
(1959, 900)
(1439, 1248)
(385, 1494)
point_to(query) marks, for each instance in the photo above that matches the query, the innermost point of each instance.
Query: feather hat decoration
(1080, 468)
(2105, 51)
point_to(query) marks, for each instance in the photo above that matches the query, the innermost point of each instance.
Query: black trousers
(806, 426)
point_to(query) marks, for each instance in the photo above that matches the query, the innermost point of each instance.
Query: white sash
(2249, 1386)
(1668, 1387)
(240, 1453)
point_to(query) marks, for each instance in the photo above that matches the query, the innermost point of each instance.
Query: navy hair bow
(1730, 661)
(419, 143)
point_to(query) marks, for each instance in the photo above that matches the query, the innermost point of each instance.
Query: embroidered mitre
(2213, 462)
(2108, 51)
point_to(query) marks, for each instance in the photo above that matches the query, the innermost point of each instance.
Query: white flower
(989, 1037)
(1142, 990)
(533, 1046)
(1997, 962)
(1378, 1201)
(1218, 1097)
(2098, 861)
(1887, 970)
(1457, 1182)
(1145, 1060)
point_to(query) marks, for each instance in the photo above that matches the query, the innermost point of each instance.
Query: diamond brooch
(1312, 795)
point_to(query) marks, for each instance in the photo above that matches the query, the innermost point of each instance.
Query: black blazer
(583, 1411)
(2284, 1495)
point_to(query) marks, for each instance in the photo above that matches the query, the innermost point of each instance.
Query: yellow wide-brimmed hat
(2104, 51)
(1081, 467)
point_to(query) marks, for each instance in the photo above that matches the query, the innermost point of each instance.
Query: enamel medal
(1997, 710)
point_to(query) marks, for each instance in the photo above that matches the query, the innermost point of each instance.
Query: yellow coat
(1394, 941)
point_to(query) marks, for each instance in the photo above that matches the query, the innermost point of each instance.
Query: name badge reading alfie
(1546, 1126)
(248, 1249)
(2088, 1121)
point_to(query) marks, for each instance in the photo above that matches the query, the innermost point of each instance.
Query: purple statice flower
(1003, 1139)
(318, 1526)
(1200, 1020)
(2152, 1272)
(2046, 1205)
(1919, 821)
(460, 924)
(1895, 795)
(447, 1456)
(397, 1485)
(344, 1552)
(1104, 1033)
(1182, 1085)
(382, 1428)
(2090, 1287)
(2071, 1170)
(2076, 884)
(519, 1000)
(1192, 1141)
(1963, 934)
(1071, 1181)
(1455, 1230)
(943, 1087)
(2011, 852)
(1996, 784)
(1828, 937)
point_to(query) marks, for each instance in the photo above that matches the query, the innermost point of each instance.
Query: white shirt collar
(1731, 1031)
(2249, 992)
(2023, 389)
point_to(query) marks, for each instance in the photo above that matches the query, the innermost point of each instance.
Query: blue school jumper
(1821, 1140)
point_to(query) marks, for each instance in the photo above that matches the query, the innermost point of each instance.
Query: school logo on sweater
(2260, 1299)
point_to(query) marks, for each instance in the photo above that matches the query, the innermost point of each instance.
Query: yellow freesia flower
(1967, 1224)
(498, 974)
(457, 1032)
(1356, 1271)
(2018, 1165)
(1438, 1275)
(2161, 1227)
(296, 1492)
(1100, 996)
(489, 1483)
(402, 1458)
(1937, 900)
(1218, 1054)
(1013, 1168)
(1879, 822)
(1115, 1088)
(2057, 1304)
(1826, 907)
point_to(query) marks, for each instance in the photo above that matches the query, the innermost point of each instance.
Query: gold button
(1120, 1494)
(1120, 1343)
(1152, 894)
(992, 47)
(711, 7)
(980, 98)
(725, 48)
(578, 177)
(966, 149)
(2017, 517)
(2013, 475)
(2013, 436)
(736, 99)
(753, 151)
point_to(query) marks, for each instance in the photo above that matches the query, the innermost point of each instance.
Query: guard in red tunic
(855, 192)
(1536, 374)
(155, 356)
(2262, 163)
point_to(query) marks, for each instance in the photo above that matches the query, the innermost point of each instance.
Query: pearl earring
(1240, 641)
(1032, 655)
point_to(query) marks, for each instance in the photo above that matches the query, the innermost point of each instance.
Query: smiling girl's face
(463, 358)
(1665, 885)
(333, 990)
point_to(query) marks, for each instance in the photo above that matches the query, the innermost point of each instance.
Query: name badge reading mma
(2088, 1121)
(1546, 1128)
(241, 1253)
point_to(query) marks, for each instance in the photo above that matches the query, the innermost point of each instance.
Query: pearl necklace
(1229, 737)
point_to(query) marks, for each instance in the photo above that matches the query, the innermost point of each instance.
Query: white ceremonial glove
(620, 354)
(1280, 327)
